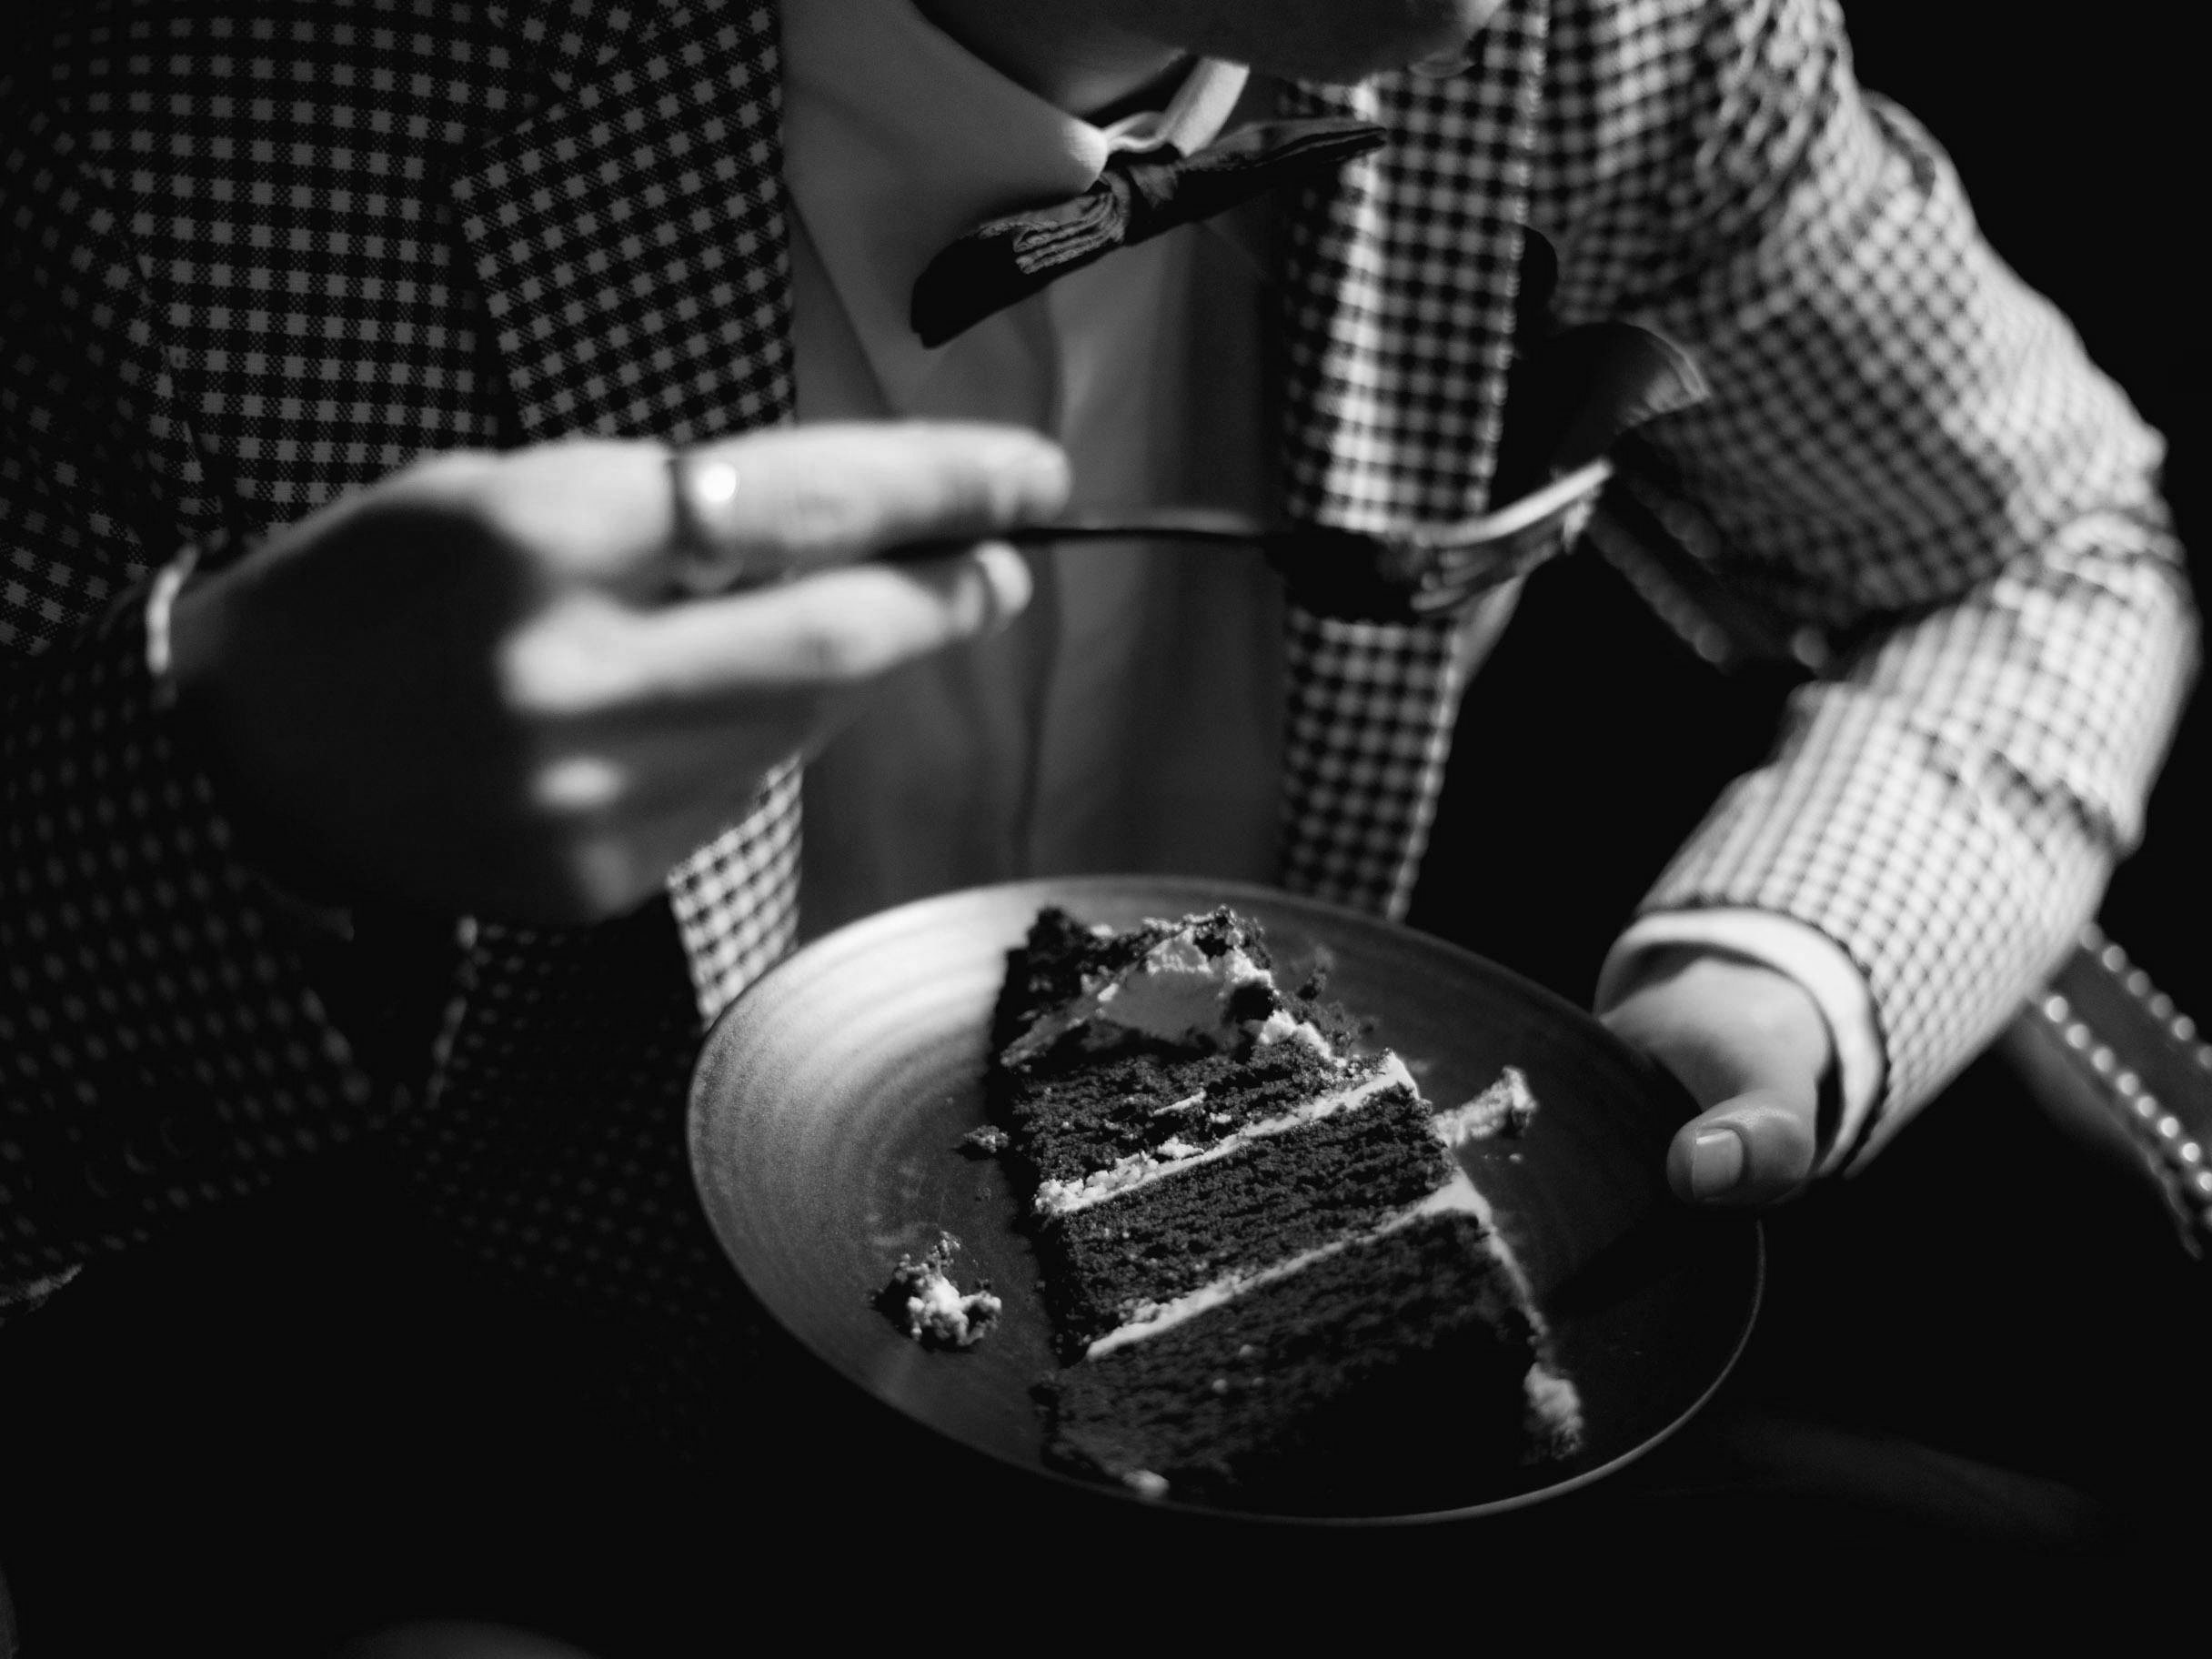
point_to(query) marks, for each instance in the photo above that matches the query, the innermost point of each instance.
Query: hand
(467, 687)
(1750, 1045)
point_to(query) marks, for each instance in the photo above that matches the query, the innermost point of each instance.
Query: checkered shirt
(261, 253)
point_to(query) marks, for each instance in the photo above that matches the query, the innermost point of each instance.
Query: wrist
(185, 626)
(165, 595)
(1805, 954)
(1724, 1024)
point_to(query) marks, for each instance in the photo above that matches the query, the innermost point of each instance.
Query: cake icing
(1056, 1197)
(1259, 1250)
(932, 1309)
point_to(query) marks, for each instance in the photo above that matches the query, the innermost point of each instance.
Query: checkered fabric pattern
(1398, 322)
(259, 252)
(1898, 429)
(366, 232)
(628, 238)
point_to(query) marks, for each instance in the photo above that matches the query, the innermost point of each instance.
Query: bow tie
(1141, 194)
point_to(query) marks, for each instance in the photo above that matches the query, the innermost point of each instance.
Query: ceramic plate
(829, 1103)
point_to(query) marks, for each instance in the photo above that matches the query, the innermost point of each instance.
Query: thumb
(1753, 1148)
(1750, 1047)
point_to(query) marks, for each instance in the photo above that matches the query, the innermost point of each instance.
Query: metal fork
(1361, 574)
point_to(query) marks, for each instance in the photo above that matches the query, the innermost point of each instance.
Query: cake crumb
(923, 1300)
(1504, 1110)
(1554, 1421)
(1315, 984)
(986, 1141)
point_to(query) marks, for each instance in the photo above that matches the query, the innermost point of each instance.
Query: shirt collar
(897, 139)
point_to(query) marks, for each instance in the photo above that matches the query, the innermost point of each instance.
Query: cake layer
(1073, 1123)
(1275, 1284)
(1350, 1384)
(1206, 1126)
(1276, 1197)
(1077, 1116)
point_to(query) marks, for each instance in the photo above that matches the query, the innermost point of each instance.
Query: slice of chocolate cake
(1267, 1274)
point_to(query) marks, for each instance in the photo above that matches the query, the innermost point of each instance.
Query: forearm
(1949, 811)
(1907, 452)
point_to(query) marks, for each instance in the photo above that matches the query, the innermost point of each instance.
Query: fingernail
(1716, 1162)
(1022, 479)
(1006, 576)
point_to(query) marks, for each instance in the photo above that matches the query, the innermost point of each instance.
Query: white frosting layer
(1151, 1318)
(1178, 992)
(1279, 1026)
(1175, 992)
(1552, 1399)
(1175, 1154)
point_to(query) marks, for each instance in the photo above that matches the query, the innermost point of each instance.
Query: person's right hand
(468, 687)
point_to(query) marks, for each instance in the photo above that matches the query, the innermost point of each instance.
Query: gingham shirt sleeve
(1907, 449)
(160, 1045)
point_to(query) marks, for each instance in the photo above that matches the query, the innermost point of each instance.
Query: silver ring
(703, 533)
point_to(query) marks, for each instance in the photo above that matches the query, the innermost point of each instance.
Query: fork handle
(1152, 523)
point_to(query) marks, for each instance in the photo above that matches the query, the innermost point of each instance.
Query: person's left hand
(1750, 1045)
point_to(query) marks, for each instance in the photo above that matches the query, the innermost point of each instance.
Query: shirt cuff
(27, 1296)
(1805, 954)
(315, 919)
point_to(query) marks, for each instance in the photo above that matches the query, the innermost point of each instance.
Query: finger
(656, 727)
(678, 769)
(837, 630)
(605, 825)
(1755, 1149)
(798, 499)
